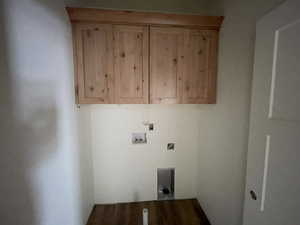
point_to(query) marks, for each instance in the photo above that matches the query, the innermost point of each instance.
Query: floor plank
(173, 212)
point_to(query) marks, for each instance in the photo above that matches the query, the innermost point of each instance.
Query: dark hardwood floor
(173, 212)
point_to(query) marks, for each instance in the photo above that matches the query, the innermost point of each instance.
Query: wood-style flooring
(173, 212)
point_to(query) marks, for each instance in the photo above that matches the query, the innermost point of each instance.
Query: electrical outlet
(171, 147)
(139, 138)
(151, 126)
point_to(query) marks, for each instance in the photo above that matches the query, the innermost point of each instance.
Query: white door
(273, 168)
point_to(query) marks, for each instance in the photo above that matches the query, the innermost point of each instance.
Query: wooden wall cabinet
(126, 57)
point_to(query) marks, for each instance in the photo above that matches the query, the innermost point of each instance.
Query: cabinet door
(131, 64)
(200, 68)
(166, 61)
(94, 55)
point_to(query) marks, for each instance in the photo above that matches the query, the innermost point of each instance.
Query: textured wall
(46, 177)
(126, 172)
(224, 136)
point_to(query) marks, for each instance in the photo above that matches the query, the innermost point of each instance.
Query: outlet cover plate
(171, 147)
(139, 138)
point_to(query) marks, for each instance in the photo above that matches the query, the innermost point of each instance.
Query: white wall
(224, 136)
(85, 174)
(216, 134)
(46, 176)
(124, 172)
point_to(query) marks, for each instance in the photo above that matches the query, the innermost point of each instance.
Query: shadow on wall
(27, 138)
(43, 173)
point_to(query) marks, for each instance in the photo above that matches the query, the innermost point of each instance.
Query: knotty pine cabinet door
(112, 64)
(94, 63)
(200, 67)
(131, 60)
(183, 65)
(166, 64)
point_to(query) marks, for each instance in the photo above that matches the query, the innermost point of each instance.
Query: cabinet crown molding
(143, 18)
